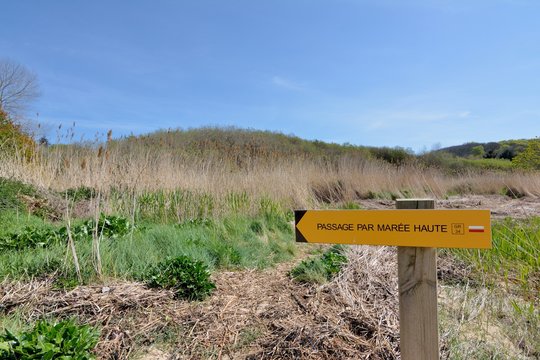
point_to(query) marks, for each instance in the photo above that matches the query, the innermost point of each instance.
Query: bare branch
(18, 87)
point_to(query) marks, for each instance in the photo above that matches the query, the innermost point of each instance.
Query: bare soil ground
(500, 206)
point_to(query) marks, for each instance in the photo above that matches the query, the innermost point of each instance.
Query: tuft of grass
(480, 323)
(320, 269)
(515, 256)
(350, 205)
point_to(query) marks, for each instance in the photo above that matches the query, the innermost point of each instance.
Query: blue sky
(367, 72)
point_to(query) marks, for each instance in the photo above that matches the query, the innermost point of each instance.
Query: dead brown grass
(252, 315)
(295, 181)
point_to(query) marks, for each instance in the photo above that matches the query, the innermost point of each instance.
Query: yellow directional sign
(419, 228)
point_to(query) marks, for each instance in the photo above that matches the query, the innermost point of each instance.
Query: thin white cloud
(378, 124)
(288, 84)
(386, 119)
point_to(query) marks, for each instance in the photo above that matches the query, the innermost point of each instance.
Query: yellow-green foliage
(529, 159)
(13, 140)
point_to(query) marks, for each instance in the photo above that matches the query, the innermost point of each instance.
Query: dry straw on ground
(252, 315)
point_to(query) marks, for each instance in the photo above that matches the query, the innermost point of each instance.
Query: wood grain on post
(417, 279)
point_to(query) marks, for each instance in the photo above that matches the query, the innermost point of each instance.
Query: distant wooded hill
(507, 149)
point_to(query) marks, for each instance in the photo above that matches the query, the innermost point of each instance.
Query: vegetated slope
(235, 142)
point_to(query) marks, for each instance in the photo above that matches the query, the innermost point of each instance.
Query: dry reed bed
(295, 181)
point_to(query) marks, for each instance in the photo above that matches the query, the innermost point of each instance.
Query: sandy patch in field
(500, 206)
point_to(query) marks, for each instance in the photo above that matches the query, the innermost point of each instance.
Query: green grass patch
(233, 242)
(322, 268)
(12, 221)
(10, 192)
(14, 196)
(515, 256)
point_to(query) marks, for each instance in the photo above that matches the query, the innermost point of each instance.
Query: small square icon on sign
(458, 229)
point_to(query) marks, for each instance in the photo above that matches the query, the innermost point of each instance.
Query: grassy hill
(232, 142)
(242, 147)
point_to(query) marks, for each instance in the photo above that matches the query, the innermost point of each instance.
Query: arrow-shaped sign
(419, 228)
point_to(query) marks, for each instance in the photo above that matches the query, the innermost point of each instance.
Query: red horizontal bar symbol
(476, 229)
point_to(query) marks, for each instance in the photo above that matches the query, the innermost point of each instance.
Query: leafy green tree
(529, 159)
(478, 151)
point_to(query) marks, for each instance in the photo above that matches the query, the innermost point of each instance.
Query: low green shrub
(189, 278)
(30, 237)
(320, 269)
(63, 340)
(108, 226)
(529, 159)
(395, 156)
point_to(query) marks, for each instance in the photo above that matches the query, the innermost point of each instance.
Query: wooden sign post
(417, 230)
(417, 281)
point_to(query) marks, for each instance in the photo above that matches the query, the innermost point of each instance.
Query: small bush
(189, 278)
(320, 269)
(64, 340)
(512, 192)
